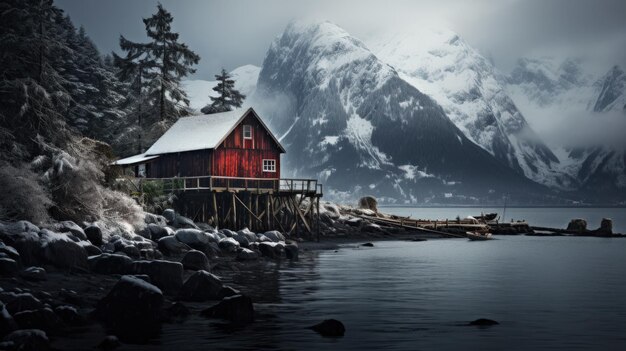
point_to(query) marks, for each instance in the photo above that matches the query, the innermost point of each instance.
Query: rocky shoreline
(61, 278)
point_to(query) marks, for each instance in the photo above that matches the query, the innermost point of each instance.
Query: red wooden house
(230, 144)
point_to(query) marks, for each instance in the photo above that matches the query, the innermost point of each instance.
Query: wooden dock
(261, 204)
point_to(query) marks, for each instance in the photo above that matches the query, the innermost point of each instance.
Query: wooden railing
(299, 186)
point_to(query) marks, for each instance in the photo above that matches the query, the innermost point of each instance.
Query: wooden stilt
(215, 212)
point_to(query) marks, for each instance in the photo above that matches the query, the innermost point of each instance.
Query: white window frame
(270, 166)
(249, 129)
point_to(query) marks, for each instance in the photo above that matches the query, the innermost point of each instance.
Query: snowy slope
(199, 90)
(555, 93)
(348, 118)
(442, 65)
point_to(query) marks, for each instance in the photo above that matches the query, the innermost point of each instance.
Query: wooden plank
(302, 217)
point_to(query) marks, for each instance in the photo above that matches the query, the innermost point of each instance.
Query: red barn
(230, 144)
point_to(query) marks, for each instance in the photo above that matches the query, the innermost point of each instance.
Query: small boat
(486, 217)
(474, 236)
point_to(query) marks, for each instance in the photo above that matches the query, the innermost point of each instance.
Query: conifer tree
(228, 98)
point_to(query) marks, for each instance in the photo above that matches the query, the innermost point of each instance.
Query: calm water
(547, 293)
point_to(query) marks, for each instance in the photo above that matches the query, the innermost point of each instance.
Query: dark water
(560, 293)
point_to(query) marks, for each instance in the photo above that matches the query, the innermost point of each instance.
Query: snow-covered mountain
(563, 97)
(199, 91)
(349, 118)
(472, 92)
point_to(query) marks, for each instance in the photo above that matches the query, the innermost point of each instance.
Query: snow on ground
(359, 133)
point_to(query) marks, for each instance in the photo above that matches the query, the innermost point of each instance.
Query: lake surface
(556, 293)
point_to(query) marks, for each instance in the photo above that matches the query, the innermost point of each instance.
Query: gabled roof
(141, 158)
(202, 132)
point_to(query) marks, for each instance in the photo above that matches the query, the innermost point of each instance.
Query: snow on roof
(134, 159)
(200, 132)
(196, 132)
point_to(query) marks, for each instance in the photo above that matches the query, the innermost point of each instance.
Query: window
(269, 165)
(247, 132)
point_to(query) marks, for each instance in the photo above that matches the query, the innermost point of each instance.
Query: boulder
(10, 252)
(170, 246)
(33, 274)
(166, 275)
(7, 323)
(151, 218)
(110, 264)
(238, 309)
(246, 233)
(131, 251)
(184, 222)
(275, 236)
(330, 327)
(201, 286)
(483, 322)
(577, 225)
(291, 251)
(177, 312)
(8, 267)
(271, 250)
(43, 318)
(28, 340)
(606, 227)
(28, 246)
(247, 255)
(227, 291)
(69, 315)
(195, 260)
(227, 232)
(242, 240)
(368, 245)
(22, 302)
(62, 252)
(9, 231)
(109, 342)
(169, 215)
(157, 231)
(192, 237)
(228, 245)
(132, 309)
(368, 203)
(91, 250)
(71, 227)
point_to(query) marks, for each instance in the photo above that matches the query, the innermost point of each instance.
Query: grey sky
(230, 33)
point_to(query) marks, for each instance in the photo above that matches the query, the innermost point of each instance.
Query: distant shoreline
(500, 206)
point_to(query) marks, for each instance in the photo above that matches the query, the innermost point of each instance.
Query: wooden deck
(289, 186)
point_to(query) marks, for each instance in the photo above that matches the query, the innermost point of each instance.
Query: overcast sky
(231, 33)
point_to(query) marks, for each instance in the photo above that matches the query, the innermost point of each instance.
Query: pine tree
(154, 71)
(228, 97)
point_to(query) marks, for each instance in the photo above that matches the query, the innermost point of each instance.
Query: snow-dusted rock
(170, 246)
(195, 260)
(184, 222)
(275, 236)
(21, 302)
(228, 245)
(151, 218)
(157, 231)
(11, 252)
(42, 318)
(69, 315)
(169, 215)
(166, 275)
(110, 264)
(27, 340)
(62, 252)
(192, 237)
(241, 239)
(227, 232)
(271, 249)
(34, 273)
(71, 227)
(94, 234)
(28, 246)
(201, 286)
(247, 254)
(262, 238)
(7, 323)
(237, 308)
